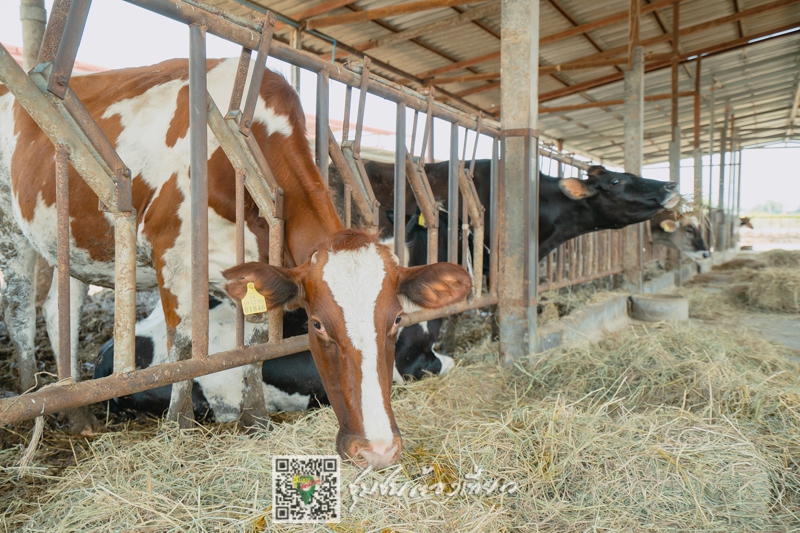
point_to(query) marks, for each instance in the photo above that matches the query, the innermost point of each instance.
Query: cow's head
(350, 288)
(618, 199)
(680, 232)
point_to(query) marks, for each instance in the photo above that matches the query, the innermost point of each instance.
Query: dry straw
(671, 429)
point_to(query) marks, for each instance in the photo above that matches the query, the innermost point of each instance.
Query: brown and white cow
(144, 113)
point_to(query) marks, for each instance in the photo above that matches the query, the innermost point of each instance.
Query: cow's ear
(596, 170)
(576, 189)
(279, 286)
(669, 226)
(434, 286)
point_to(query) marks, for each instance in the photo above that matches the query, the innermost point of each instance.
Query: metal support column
(452, 197)
(698, 156)
(634, 138)
(198, 188)
(517, 212)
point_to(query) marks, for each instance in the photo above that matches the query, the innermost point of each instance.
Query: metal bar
(322, 124)
(56, 127)
(240, 80)
(125, 292)
(560, 258)
(198, 190)
(348, 98)
(258, 73)
(452, 197)
(569, 281)
(276, 240)
(426, 136)
(465, 231)
(246, 32)
(240, 175)
(68, 47)
(62, 209)
(739, 186)
(54, 31)
(494, 229)
(413, 134)
(400, 155)
(421, 189)
(348, 206)
(362, 103)
(362, 200)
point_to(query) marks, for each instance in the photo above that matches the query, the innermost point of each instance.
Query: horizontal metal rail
(69, 395)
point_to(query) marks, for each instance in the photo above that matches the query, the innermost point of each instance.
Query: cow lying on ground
(679, 232)
(290, 383)
(346, 281)
(568, 207)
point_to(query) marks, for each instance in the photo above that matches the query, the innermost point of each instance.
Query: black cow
(568, 207)
(290, 383)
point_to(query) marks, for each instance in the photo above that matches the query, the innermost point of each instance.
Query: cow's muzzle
(671, 197)
(364, 453)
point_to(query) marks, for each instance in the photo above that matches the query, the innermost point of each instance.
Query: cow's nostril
(671, 186)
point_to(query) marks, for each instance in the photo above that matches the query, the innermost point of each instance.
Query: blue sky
(767, 174)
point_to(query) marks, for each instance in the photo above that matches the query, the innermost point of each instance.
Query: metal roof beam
(390, 11)
(722, 47)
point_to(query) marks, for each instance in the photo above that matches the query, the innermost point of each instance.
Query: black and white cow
(290, 383)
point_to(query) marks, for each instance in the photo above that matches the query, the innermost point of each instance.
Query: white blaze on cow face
(355, 278)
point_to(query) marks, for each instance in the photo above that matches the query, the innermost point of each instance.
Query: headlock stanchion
(46, 95)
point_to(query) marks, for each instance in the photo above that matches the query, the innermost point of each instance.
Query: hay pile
(681, 429)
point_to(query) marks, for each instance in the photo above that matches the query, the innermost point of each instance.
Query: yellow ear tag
(253, 302)
(421, 220)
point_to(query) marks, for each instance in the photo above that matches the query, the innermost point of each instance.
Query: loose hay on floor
(661, 429)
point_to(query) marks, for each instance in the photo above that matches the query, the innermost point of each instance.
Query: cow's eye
(318, 326)
(398, 320)
(689, 230)
(615, 181)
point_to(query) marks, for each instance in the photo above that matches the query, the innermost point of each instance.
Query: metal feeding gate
(47, 97)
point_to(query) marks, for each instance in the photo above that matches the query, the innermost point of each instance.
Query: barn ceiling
(749, 50)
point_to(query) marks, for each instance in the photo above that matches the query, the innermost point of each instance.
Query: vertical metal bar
(400, 184)
(494, 230)
(125, 291)
(68, 47)
(348, 98)
(427, 135)
(413, 134)
(198, 105)
(258, 73)
(295, 41)
(464, 231)
(276, 240)
(362, 102)
(739, 187)
(240, 80)
(452, 197)
(698, 160)
(560, 260)
(711, 149)
(62, 214)
(321, 125)
(633, 259)
(530, 222)
(240, 176)
(549, 267)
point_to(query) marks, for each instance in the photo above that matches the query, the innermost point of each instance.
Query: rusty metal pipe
(258, 73)
(125, 292)
(68, 47)
(62, 210)
(198, 190)
(348, 99)
(362, 102)
(452, 197)
(240, 175)
(240, 80)
(358, 193)
(494, 217)
(275, 315)
(55, 29)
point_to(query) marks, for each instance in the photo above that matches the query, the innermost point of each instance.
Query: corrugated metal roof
(759, 81)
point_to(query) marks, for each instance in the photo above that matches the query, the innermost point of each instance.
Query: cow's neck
(308, 210)
(560, 218)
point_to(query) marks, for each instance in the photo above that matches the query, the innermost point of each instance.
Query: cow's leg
(81, 420)
(18, 263)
